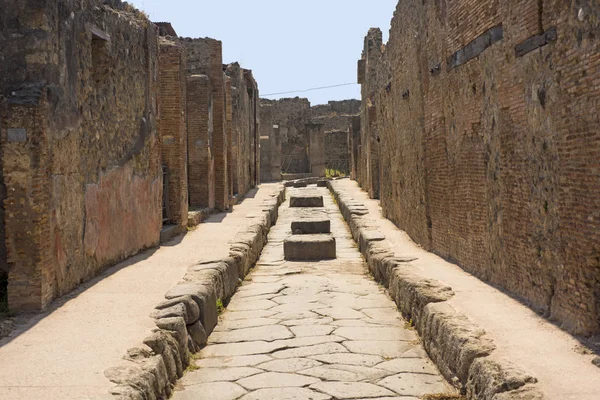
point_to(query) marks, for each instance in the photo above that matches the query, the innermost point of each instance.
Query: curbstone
(489, 376)
(191, 314)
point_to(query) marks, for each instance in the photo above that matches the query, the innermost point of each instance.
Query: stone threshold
(462, 351)
(189, 314)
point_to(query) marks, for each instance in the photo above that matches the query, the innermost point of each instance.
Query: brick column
(200, 154)
(229, 134)
(172, 127)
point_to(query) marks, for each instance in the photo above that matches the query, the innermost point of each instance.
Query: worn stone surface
(311, 226)
(309, 247)
(300, 199)
(314, 331)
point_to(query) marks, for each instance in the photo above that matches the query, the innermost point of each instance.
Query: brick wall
(486, 115)
(244, 95)
(205, 57)
(80, 157)
(200, 153)
(172, 127)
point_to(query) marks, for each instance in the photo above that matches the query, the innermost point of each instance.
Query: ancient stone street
(311, 330)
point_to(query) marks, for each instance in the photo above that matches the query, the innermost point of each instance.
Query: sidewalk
(63, 353)
(521, 336)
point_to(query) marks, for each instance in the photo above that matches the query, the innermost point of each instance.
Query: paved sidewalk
(63, 353)
(521, 336)
(311, 330)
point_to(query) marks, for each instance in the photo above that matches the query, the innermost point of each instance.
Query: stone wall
(270, 146)
(337, 151)
(293, 116)
(80, 159)
(482, 116)
(244, 99)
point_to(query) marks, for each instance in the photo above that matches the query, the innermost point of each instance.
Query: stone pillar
(276, 154)
(172, 127)
(201, 178)
(316, 149)
(354, 147)
(26, 170)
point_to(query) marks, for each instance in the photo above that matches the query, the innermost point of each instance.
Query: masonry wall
(172, 128)
(244, 98)
(80, 156)
(200, 148)
(486, 115)
(205, 57)
(270, 146)
(292, 115)
(337, 150)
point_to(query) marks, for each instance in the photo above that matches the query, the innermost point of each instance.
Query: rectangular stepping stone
(309, 247)
(311, 226)
(306, 200)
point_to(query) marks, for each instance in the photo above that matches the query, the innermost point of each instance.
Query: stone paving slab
(318, 330)
(63, 352)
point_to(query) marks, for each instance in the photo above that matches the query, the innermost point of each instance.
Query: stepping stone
(311, 226)
(309, 247)
(300, 184)
(306, 200)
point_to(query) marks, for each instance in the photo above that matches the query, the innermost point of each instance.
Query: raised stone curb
(462, 351)
(189, 314)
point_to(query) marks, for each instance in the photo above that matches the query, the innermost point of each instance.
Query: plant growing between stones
(220, 307)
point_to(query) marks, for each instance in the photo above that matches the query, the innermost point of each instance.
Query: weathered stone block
(311, 226)
(306, 200)
(309, 247)
(171, 306)
(206, 299)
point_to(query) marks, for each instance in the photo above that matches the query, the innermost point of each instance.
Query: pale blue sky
(288, 44)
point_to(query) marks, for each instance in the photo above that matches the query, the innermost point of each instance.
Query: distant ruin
(294, 121)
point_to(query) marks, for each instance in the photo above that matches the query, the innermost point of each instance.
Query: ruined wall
(487, 118)
(172, 128)
(270, 146)
(292, 115)
(335, 115)
(205, 57)
(200, 148)
(316, 149)
(244, 92)
(79, 149)
(337, 151)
